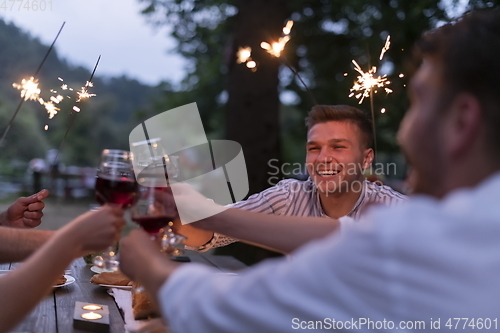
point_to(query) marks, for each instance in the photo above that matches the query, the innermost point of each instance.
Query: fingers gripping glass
(115, 184)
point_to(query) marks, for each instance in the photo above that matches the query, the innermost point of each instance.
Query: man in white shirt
(430, 264)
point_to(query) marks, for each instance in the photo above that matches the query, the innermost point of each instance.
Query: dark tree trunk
(252, 114)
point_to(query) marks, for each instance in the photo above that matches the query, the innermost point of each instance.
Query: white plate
(99, 270)
(69, 280)
(113, 286)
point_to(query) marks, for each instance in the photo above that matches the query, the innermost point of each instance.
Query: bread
(111, 278)
(142, 305)
(61, 280)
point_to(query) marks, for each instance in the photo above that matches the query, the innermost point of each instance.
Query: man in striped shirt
(339, 141)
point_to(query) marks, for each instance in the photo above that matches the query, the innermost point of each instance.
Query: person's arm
(18, 244)
(322, 281)
(25, 212)
(274, 200)
(24, 287)
(279, 233)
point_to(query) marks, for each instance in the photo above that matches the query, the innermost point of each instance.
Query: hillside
(104, 121)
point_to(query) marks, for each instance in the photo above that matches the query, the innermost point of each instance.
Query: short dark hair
(324, 113)
(468, 51)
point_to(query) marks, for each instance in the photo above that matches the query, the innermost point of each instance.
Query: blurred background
(161, 54)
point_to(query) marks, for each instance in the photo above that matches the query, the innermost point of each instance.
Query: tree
(326, 36)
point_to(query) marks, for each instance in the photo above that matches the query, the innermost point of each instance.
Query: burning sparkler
(368, 82)
(83, 94)
(386, 47)
(28, 92)
(29, 89)
(243, 54)
(275, 48)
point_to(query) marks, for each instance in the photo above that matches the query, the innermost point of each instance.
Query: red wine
(122, 191)
(152, 224)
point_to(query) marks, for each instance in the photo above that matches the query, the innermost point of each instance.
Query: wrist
(159, 271)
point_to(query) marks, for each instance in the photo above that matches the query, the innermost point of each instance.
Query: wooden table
(55, 312)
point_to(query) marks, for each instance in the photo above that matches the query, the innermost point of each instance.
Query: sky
(114, 29)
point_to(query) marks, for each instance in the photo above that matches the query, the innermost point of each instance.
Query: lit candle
(91, 315)
(92, 307)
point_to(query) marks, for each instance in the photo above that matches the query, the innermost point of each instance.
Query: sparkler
(29, 89)
(276, 48)
(244, 55)
(367, 83)
(77, 110)
(31, 84)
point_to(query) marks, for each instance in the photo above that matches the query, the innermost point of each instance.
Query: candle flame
(91, 315)
(46, 127)
(92, 307)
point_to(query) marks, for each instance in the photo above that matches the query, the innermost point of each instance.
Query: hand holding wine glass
(115, 184)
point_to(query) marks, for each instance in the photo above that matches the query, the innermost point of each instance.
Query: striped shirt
(291, 197)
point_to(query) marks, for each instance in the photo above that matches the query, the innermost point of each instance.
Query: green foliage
(327, 35)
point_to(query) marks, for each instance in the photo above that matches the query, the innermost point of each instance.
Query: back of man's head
(345, 113)
(468, 52)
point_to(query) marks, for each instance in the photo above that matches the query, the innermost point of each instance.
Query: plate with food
(64, 280)
(112, 280)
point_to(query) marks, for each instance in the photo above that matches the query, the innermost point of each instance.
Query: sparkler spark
(386, 47)
(29, 89)
(51, 109)
(367, 82)
(275, 48)
(83, 93)
(243, 54)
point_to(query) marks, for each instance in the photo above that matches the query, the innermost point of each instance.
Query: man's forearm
(17, 244)
(280, 233)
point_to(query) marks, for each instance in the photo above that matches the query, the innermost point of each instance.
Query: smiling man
(339, 141)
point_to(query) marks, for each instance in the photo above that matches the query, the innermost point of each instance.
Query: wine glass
(115, 181)
(116, 184)
(157, 174)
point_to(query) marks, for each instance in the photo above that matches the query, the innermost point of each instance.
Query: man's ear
(463, 123)
(368, 158)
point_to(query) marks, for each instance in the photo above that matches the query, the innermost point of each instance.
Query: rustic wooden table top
(55, 312)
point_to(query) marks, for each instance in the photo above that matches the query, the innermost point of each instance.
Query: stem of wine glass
(108, 260)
